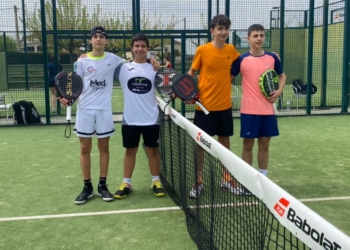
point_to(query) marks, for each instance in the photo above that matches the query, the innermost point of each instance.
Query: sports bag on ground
(25, 113)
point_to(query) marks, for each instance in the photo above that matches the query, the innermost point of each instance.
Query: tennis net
(266, 218)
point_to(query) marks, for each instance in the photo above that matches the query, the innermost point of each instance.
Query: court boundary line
(141, 210)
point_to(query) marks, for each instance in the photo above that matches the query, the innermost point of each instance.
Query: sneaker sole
(160, 194)
(82, 202)
(106, 199)
(121, 197)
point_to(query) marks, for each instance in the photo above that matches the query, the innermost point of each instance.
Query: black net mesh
(218, 219)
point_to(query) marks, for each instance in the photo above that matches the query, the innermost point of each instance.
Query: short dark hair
(221, 20)
(255, 27)
(139, 37)
(98, 30)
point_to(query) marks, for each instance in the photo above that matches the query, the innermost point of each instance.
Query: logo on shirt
(90, 69)
(139, 85)
(131, 69)
(95, 84)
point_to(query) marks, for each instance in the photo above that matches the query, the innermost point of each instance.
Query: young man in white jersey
(140, 115)
(94, 113)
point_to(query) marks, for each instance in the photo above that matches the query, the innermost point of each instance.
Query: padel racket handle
(69, 113)
(202, 107)
(275, 111)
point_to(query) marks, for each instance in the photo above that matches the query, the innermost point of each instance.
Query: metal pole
(46, 73)
(17, 29)
(281, 26)
(134, 18)
(138, 15)
(346, 59)
(209, 18)
(25, 45)
(324, 55)
(227, 13)
(310, 56)
(55, 46)
(183, 63)
(7, 68)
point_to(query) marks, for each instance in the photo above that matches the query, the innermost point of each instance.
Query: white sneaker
(196, 190)
(231, 187)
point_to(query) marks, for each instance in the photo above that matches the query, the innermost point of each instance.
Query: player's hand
(83, 56)
(155, 64)
(275, 95)
(193, 100)
(63, 101)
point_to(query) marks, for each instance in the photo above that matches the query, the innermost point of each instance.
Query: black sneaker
(102, 191)
(84, 196)
(122, 191)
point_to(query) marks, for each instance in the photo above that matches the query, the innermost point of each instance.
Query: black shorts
(215, 123)
(132, 134)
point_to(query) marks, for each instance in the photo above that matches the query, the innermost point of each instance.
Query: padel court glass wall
(310, 37)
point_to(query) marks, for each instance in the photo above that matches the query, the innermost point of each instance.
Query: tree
(11, 44)
(72, 15)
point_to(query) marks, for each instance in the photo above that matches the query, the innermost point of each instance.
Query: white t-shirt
(97, 74)
(140, 102)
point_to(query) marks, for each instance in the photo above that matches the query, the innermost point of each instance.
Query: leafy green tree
(11, 44)
(73, 15)
(70, 15)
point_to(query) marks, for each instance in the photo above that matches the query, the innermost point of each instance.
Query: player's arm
(191, 71)
(155, 64)
(117, 71)
(282, 78)
(236, 67)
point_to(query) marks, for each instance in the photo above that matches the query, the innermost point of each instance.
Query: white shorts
(90, 122)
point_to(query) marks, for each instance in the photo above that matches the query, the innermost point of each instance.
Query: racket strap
(68, 130)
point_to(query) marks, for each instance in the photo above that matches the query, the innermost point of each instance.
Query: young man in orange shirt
(214, 61)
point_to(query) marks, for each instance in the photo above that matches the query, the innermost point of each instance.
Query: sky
(189, 14)
(242, 12)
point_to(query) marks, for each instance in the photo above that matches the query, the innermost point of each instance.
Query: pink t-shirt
(251, 68)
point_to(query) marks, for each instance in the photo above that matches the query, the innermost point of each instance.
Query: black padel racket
(268, 83)
(163, 81)
(69, 86)
(185, 87)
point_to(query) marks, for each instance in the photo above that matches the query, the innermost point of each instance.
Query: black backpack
(301, 87)
(25, 113)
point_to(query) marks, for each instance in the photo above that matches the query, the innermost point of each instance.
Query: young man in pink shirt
(257, 116)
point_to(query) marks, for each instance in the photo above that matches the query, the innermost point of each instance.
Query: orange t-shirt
(215, 79)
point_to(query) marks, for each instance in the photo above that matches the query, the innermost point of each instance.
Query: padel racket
(164, 80)
(185, 87)
(268, 83)
(69, 86)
